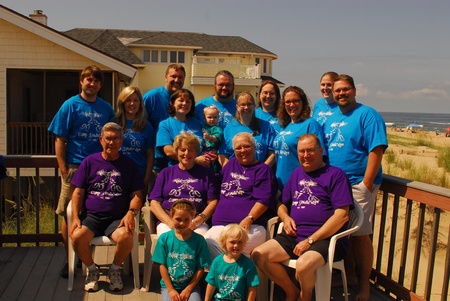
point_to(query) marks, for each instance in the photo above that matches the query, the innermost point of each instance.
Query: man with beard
(223, 99)
(77, 126)
(156, 103)
(356, 140)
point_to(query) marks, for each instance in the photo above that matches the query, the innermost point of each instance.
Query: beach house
(39, 69)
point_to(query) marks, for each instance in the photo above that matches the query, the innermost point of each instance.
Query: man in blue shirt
(356, 140)
(223, 99)
(156, 103)
(77, 126)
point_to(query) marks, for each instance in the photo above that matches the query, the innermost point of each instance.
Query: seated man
(314, 206)
(106, 199)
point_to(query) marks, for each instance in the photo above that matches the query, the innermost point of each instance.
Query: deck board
(32, 273)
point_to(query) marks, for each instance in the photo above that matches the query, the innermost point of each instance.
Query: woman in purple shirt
(185, 180)
(247, 195)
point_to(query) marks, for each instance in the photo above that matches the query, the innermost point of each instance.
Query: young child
(182, 254)
(233, 274)
(212, 134)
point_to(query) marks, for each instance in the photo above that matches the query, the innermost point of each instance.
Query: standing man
(356, 140)
(106, 199)
(77, 126)
(223, 99)
(156, 103)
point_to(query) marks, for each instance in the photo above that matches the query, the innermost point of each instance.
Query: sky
(397, 51)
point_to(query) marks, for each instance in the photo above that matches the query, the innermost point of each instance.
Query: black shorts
(101, 226)
(288, 243)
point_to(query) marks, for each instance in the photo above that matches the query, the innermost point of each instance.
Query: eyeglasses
(246, 105)
(292, 102)
(243, 148)
(345, 89)
(112, 139)
(308, 151)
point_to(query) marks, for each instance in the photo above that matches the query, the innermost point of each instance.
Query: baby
(212, 135)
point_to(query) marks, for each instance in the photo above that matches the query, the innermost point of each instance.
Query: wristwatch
(310, 240)
(135, 211)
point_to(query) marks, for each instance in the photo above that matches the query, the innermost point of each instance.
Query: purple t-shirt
(197, 184)
(243, 186)
(108, 185)
(313, 197)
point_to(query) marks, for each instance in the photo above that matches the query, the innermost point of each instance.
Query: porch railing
(30, 138)
(411, 226)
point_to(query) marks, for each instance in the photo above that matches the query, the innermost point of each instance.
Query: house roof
(75, 45)
(116, 42)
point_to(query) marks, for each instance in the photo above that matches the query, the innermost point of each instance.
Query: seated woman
(247, 196)
(314, 206)
(185, 180)
(246, 121)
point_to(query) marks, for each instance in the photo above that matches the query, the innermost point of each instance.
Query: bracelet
(195, 222)
(202, 216)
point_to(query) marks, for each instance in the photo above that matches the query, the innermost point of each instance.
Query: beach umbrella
(447, 129)
(414, 126)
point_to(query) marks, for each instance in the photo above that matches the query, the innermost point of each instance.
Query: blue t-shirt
(182, 258)
(80, 122)
(270, 117)
(232, 280)
(350, 137)
(227, 110)
(108, 185)
(285, 146)
(312, 198)
(322, 110)
(171, 127)
(156, 103)
(136, 144)
(264, 138)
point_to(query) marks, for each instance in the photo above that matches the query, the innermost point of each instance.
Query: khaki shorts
(66, 190)
(366, 200)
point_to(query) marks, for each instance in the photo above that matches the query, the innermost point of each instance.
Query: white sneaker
(115, 280)
(91, 283)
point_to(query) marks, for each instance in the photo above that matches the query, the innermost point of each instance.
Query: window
(163, 56)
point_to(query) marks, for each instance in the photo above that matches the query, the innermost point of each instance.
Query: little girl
(182, 254)
(233, 274)
(212, 135)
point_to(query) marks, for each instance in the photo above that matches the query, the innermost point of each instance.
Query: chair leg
(71, 264)
(323, 283)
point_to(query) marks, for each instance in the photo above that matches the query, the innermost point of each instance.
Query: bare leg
(267, 258)
(124, 244)
(65, 234)
(362, 245)
(305, 272)
(81, 238)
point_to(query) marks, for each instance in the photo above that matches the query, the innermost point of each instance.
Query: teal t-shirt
(181, 257)
(232, 280)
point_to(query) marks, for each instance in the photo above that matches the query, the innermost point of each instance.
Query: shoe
(115, 280)
(65, 271)
(91, 283)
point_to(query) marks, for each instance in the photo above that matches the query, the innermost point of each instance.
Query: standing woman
(294, 116)
(268, 103)
(139, 135)
(246, 121)
(181, 111)
(325, 106)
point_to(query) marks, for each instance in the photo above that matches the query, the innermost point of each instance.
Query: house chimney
(39, 16)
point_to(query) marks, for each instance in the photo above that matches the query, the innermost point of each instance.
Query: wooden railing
(411, 226)
(30, 138)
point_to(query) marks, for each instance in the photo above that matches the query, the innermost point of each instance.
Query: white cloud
(427, 93)
(362, 90)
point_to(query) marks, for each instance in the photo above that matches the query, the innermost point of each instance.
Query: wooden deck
(32, 273)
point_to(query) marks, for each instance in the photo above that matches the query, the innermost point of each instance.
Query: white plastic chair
(324, 273)
(104, 241)
(150, 238)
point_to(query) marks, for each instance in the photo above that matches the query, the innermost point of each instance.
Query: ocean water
(429, 121)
